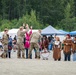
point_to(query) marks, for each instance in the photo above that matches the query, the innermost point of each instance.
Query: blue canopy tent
(50, 31)
(73, 33)
(63, 31)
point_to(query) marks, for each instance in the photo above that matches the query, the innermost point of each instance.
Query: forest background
(61, 14)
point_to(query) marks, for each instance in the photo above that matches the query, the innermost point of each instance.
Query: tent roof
(50, 30)
(73, 33)
(63, 31)
(13, 32)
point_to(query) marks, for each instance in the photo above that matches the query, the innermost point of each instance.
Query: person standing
(15, 43)
(34, 43)
(44, 42)
(50, 46)
(27, 41)
(20, 40)
(67, 47)
(9, 47)
(74, 48)
(5, 43)
(57, 49)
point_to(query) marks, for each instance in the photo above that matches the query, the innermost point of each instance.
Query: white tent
(0, 35)
(13, 32)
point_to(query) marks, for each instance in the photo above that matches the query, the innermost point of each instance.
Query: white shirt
(0, 43)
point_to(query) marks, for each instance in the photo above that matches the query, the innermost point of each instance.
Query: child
(9, 47)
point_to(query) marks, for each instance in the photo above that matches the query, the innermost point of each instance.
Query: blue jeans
(50, 46)
(74, 57)
(27, 54)
(9, 53)
(67, 57)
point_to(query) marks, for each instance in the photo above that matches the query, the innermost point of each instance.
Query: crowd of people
(26, 40)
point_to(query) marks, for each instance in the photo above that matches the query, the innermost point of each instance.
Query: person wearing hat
(5, 43)
(20, 40)
(67, 47)
(74, 48)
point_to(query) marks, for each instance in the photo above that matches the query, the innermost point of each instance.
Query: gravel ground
(34, 66)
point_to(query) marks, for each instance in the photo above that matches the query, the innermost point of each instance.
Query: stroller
(45, 54)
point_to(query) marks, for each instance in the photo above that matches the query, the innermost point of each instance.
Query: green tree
(30, 19)
(67, 11)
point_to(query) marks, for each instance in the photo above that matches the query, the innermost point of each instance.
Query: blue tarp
(51, 30)
(73, 33)
(63, 32)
